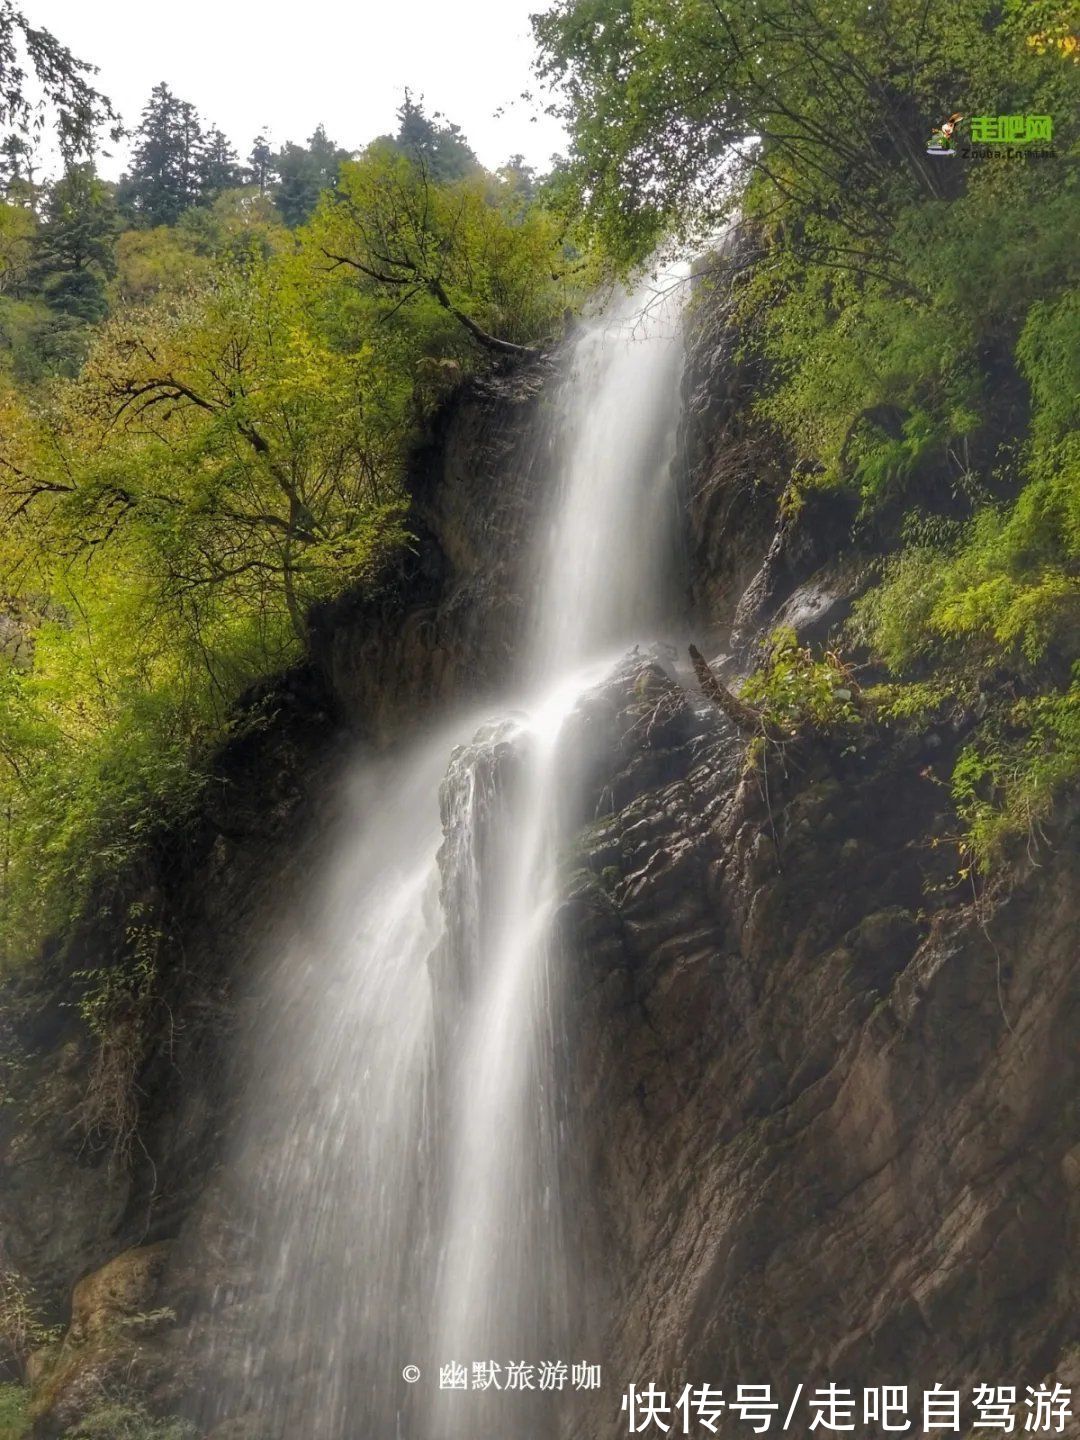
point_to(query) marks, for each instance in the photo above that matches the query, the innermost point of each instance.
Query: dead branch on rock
(746, 718)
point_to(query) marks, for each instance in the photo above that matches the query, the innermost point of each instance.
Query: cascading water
(410, 1170)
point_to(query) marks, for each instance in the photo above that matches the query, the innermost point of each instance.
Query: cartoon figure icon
(941, 140)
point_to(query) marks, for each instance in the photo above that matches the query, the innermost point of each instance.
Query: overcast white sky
(246, 65)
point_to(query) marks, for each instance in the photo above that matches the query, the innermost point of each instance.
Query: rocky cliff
(828, 1091)
(839, 1094)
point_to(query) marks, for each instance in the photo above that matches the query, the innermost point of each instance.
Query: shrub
(122, 1418)
(14, 1424)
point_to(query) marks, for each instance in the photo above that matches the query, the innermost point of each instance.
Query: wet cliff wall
(837, 1081)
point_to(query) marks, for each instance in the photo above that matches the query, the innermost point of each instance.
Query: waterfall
(406, 1162)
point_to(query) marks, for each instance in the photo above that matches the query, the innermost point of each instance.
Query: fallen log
(746, 718)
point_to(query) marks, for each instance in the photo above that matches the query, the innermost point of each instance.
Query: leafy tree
(304, 172)
(673, 106)
(18, 227)
(414, 242)
(249, 467)
(214, 470)
(230, 453)
(151, 261)
(239, 227)
(519, 178)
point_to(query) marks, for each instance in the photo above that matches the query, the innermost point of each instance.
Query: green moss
(14, 1422)
(124, 1419)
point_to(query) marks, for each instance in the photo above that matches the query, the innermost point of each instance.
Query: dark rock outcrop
(730, 468)
(445, 622)
(838, 1096)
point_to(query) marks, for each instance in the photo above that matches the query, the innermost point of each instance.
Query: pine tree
(74, 252)
(218, 166)
(36, 71)
(17, 172)
(442, 148)
(304, 173)
(165, 166)
(72, 260)
(260, 162)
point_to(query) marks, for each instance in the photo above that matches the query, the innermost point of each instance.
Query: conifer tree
(75, 246)
(442, 148)
(17, 171)
(164, 180)
(218, 165)
(304, 173)
(260, 164)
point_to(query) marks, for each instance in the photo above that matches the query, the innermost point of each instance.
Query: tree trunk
(490, 342)
(744, 717)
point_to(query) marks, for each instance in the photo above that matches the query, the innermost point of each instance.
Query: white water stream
(408, 1151)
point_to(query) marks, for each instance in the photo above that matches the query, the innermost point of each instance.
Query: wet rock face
(751, 563)
(833, 1105)
(446, 623)
(476, 805)
(729, 468)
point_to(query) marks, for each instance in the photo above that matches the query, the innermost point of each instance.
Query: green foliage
(439, 148)
(1006, 590)
(1049, 356)
(175, 163)
(74, 248)
(303, 173)
(241, 228)
(18, 227)
(919, 701)
(73, 260)
(677, 108)
(117, 1005)
(918, 317)
(22, 1329)
(123, 1418)
(14, 1421)
(795, 688)
(215, 470)
(231, 453)
(78, 110)
(17, 171)
(1005, 782)
(467, 248)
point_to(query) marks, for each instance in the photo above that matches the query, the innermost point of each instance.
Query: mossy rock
(104, 1345)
